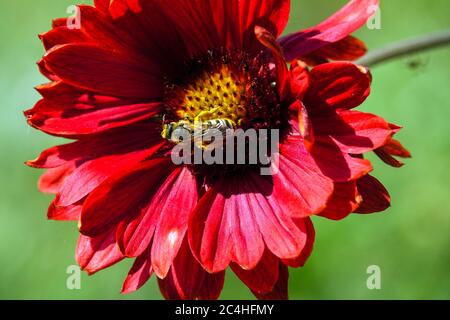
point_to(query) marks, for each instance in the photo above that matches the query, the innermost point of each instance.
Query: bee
(177, 132)
(417, 64)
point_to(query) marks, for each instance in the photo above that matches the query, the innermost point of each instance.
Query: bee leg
(165, 133)
(204, 114)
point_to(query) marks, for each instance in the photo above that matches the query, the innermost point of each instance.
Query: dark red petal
(395, 148)
(345, 200)
(263, 277)
(91, 174)
(375, 197)
(59, 22)
(388, 159)
(149, 31)
(100, 28)
(389, 150)
(195, 22)
(353, 131)
(343, 23)
(69, 213)
(304, 124)
(83, 165)
(339, 166)
(300, 184)
(98, 253)
(206, 24)
(337, 85)
(139, 274)
(117, 141)
(62, 35)
(144, 31)
(300, 261)
(100, 70)
(347, 49)
(299, 79)
(272, 15)
(46, 72)
(283, 74)
(280, 291)
(187, 280)
(122, 195)
(65, 120)
(174, 205)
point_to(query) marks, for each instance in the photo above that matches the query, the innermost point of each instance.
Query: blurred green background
(410, 242)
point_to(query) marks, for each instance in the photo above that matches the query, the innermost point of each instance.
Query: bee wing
(225, 134)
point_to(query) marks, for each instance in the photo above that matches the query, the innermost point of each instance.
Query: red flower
(133, 62)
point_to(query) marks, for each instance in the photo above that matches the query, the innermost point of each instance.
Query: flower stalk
(406, 47)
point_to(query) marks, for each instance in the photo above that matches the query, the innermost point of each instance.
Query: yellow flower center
(217, 95)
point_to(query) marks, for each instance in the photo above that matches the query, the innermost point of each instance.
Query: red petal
(118, 8)
(174, 205)
(375, 197)
(280, 291)
(231, 220)
(395, 148)
(283, 74)
(347, 49)
(117, 141)
(166, 214)
(343, 23)
(187, 280)
(135, 234)
(62, 35)
(65, 120)
(98, 253)
(300, 184)
(344, 201)
(304, 123)
(91, 174)
(337, 85)
(263, 277)
(223, 228)
(52, 180)
(299, 79)
(59, 22)
(300, 261)
(122, 195)
(206, 24)
(272, 15)
(388, 159)
(100, 70)
(339, 166)
(69, 213)
(139, 274)
(195, 22)
(353, 131)
(389, 150)
(102, 5)
(144, 31)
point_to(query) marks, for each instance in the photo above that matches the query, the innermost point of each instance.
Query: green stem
(405, 47)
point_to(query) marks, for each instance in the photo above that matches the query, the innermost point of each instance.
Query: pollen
(215, 95)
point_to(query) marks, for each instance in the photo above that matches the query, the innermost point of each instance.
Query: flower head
(136, 71)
